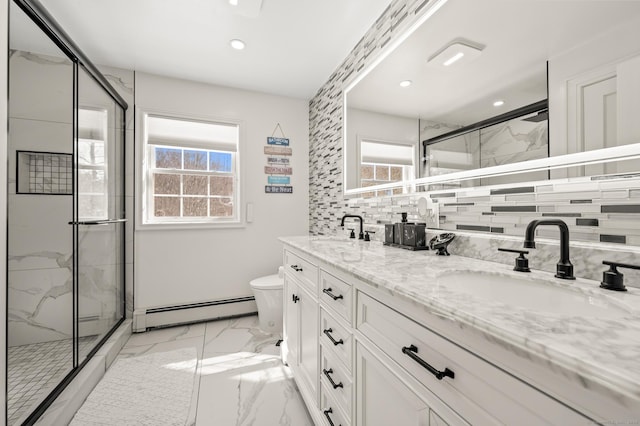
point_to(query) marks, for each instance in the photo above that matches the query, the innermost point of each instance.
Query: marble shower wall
(513, 141)
(40, 243)
(602, 214)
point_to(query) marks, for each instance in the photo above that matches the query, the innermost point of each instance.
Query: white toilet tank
(268, 293)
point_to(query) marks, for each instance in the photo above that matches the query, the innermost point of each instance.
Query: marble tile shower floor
(34, 370)
(240, 379)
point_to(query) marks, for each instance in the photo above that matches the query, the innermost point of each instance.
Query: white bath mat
(152, 389)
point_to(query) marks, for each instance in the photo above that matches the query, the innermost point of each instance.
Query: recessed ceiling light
(233, 2)
(456, 52)
(237, 44)
(498, 103)
(405, 83)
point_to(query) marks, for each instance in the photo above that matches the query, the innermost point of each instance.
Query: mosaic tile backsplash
(602, 227)
(603, 215)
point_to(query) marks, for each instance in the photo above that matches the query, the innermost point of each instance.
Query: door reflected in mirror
(581, 58)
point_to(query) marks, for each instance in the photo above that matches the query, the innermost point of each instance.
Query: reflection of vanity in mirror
(540, 90)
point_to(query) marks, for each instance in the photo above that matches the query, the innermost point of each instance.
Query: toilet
(268, 294)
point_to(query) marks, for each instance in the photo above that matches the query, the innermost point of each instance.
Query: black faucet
(361, 236)
(564, 268)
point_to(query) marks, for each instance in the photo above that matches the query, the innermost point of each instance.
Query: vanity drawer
(337, 337)
(336, 379)
(336, 294)
(331, 412)
(476, 385)
(305, 271)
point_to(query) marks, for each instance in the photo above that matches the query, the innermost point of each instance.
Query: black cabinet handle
(326, 414)
(411, 352)
(334, 341)
(334, 384)
(296, 268)
(295, 298)
(331, 295)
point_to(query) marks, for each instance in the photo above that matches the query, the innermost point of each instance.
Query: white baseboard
(146, 318)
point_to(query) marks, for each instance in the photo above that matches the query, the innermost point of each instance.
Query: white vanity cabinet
(363, 358)
(386, 398)
(336, 348)
(301, 316)
(478, 391)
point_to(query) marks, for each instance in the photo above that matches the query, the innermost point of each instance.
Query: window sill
(169, 226)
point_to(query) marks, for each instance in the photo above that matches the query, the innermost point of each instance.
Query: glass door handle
(98, 222)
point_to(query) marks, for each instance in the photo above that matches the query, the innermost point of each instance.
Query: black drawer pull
(295, 298)
(326, 414)
(296, 268)
(330, 371)
(334, 341)
(331, 295)
(412, 350)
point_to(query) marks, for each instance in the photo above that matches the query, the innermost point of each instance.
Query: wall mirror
(562, 77)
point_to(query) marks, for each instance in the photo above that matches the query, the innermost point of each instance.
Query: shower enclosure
(66, 214)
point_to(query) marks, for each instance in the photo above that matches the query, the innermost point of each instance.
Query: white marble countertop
(599, 349)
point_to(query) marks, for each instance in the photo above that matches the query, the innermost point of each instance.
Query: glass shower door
(40, 240)
(99, 209)
(65, 210)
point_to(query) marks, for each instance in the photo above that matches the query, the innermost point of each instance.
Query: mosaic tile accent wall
(595, 211)
(603, 217)
(326, 203)
(606, 212)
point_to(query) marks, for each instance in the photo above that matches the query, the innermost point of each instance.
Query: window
(385, 162)
(191, 171)
(92, 164)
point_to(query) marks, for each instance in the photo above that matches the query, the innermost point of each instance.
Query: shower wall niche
(65, 256)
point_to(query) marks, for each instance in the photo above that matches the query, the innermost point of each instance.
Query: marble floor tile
(238, 335)
(129, 351)
(240, 379)
(240, 389)
(166, 335)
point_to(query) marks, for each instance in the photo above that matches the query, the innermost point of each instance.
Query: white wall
(177, 266)
(4, 23)
(609, 49)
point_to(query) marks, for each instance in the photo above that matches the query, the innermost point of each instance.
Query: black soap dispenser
(398, 231)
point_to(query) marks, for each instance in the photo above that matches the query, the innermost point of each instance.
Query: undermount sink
(529, 293)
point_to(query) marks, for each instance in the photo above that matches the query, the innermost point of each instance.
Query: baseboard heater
(165, 316)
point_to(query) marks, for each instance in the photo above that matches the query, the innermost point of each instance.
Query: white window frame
(145, 218)
(408, 174)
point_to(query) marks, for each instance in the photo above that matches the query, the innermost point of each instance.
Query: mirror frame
(603, 155)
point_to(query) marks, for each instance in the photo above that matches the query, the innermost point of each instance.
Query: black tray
(412, 248)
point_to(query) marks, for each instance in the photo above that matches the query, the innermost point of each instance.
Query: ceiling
(292, 46)
(518, 38)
